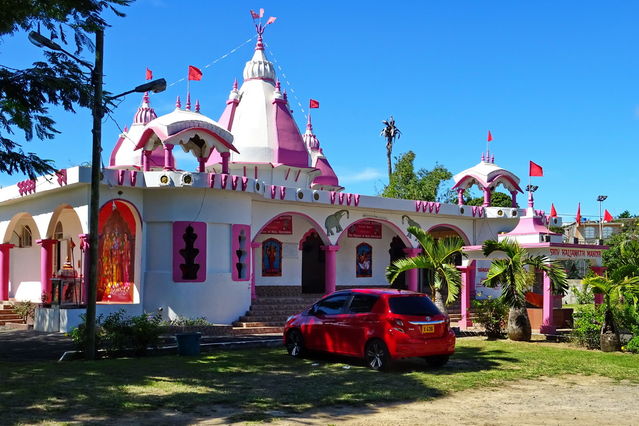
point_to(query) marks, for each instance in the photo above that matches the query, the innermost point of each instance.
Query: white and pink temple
(263, 215)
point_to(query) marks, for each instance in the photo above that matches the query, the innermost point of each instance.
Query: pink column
(168, 157)
(547, 326)
(460, 196)
(599, 270)
(225, 162)
(254, 247)
(84, 248)
(46, 264)
(412, 275)
(331, 268)
(201, 165)
(4, 270)
(146, 160)
(466, 286)
(486, 197)
(513, 196)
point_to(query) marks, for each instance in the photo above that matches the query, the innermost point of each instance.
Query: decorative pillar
(146, 160)
(168, 157)
(598, 270)
(86, 263)
(331, 268)
(254, 247)
(46, 264)
(486, 197)
(225, 162)
(4, 270)
(547, 326)
(466, 286)
(412, 275)
(513, 196)
(460, 196)
(201, 165)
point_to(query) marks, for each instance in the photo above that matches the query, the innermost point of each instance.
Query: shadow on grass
(261, 384)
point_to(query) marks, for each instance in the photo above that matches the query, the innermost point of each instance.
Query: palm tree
(438, 255)
(511, 273)
(614, 290)
(390, 132)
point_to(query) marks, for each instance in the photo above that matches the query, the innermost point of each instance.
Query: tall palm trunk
(519, 325)
(609, 341)
(439, 302)
(389, 152)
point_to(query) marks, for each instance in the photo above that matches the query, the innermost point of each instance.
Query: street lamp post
(97, 111)
(601, 199)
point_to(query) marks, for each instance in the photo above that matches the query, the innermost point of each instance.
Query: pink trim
(225, 161)
(530, 225)
(27, 186)
(466, 286)
(430, 205)
(62, 177)
(356, 199)
(458, 230)
(598, 270)
(297, 176)
(199, 228)
(305, 236)
(114, 153)
(121, 177)
(46, 265)
(240, 255)
(341, 198)
(349, 197)
(480, 182)
(496, 181)
(244, 183)
(316, 226)
(129, 204)
(547, 326)
(224, 180)
(234, 181)
(273, 191)
(211, 180)
(412, 275)
(159, 132)
(255, 172)
(289, 146)
(477, 211)
(133, 177)
(244, 171)
(333, 194)
(390, 224)
(4, 270)
(287, 173)
(86, 263)
(330, 282)
(282, 192)
(254, 247)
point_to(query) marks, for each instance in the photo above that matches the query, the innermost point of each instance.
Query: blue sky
(555, 82)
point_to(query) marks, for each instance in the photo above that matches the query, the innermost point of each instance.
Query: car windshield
(413, 305)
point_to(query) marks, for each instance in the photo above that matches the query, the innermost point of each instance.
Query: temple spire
(178, 103)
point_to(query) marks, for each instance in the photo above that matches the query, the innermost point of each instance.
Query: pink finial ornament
(278, 85)
(309, 125)
(178, 104)
(197, 105)
(188, 101)
(235, 84)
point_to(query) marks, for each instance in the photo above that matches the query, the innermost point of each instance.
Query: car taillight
(397, 324)
(447, 322)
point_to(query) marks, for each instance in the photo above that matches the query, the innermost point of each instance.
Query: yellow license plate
(428, 328)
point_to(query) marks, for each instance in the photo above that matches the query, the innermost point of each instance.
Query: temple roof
(487, 174)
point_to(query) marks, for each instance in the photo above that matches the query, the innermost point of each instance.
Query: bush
(492, 314)
(79, 333)
(633, 345)
(585, 296)
(24, 309)
(588, 320)
(186, 322)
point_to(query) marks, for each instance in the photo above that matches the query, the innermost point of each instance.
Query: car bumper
(405, 346)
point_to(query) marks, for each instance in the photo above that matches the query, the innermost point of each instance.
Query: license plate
(428, 328)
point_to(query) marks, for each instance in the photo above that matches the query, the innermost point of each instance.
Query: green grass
(259, 381)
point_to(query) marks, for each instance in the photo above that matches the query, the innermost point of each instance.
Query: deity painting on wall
(363, 261)
(272, 258)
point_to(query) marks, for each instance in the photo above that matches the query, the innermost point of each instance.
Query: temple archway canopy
(487, 176)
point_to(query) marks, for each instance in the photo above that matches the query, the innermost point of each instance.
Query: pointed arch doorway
(313, 264)
(396, 251)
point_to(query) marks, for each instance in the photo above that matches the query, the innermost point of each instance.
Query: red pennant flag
(535, 170)
(553, 212)
(313, 104)
(254, 15)
(149, 74)
(490, 136)
(607, 216)
(271, 20)
(578, 217)
(194, 73)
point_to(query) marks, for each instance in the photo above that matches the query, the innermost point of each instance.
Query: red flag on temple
(254, 15)
(553, 212)
(535, 170)
(490, 136)
(578, 217)
(313, 104)
(194, 73)
(271, 20)
(607, 216)
(149, 74)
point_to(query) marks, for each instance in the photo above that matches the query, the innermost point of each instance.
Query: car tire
(295, 343)
(436, 361)
(376, 355)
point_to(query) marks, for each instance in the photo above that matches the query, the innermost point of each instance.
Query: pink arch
(498, 178)
(129, 204)
(390, 224)
(318, 228)
(480, 182)
(461, 233)
(157, 130)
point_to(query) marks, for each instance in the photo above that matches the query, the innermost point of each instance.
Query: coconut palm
(390, 132)
(437, 255)
(614, 290)
(512, 274)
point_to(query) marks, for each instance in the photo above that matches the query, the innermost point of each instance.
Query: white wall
(346, 273)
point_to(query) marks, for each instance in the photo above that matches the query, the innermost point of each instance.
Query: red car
(377, 325)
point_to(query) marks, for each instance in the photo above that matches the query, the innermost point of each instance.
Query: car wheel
(295, 343)
(436, 360)
(376, 355)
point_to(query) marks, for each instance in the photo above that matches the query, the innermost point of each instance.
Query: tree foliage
(26, 94)
(406, 183)
(623, 248)
(390, 132)
(497, 199)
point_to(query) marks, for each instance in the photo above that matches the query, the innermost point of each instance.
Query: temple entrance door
(396, 251)
(313, 265)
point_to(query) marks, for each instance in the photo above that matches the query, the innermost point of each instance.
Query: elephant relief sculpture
(332, 222)
(411, 222)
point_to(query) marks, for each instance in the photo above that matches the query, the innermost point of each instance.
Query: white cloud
(366, 175)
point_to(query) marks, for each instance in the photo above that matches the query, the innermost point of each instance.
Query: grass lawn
(268, 379)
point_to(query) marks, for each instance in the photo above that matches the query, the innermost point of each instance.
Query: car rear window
(413, 305)
(362, 303)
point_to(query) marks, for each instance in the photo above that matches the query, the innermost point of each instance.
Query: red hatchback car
(377, 325)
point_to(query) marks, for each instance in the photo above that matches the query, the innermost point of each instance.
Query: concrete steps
(268, 314)
(8, 316)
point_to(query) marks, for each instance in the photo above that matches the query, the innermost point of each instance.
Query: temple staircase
(9, 318)
(268, 314)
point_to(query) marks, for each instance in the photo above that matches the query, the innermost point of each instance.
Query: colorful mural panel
(363, 261)
(272, 258)
(280, 225)
(116, 253)
(365, 229)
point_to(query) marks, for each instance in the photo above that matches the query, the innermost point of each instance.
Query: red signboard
(365, 229)
(280, 225)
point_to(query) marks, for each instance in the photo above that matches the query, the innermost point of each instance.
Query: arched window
(26, 237)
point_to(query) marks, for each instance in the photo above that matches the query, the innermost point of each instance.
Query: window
(332, 305)
(26, 239)
(607, 232)
(589, 232)
(362, 303)
(412, 305)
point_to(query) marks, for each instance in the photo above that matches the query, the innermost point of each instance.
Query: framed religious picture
(363, 261)
(272, 258)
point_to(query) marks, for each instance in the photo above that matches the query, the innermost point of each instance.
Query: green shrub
(627, 318)
(492, 314)
(585, 296)
(186, 322)
(587, 320)
(24, 309)
(79, 333)
(633, 345)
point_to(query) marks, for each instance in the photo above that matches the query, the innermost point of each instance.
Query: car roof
(378, 291)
